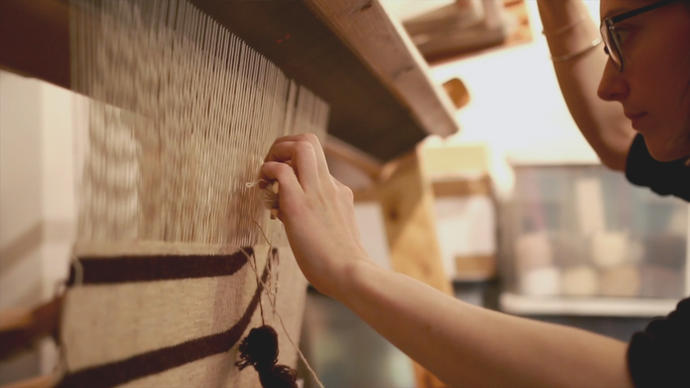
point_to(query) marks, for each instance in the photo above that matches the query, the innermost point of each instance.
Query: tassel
(260, 350)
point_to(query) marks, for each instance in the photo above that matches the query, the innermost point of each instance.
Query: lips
(635, 118)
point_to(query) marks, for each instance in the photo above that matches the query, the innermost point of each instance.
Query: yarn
(260, 350)
(277, 372)
(270, 194)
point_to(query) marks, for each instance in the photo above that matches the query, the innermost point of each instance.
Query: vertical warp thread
(182, 114)
(259, 341)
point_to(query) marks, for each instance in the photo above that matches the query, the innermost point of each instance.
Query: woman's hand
(317, 211)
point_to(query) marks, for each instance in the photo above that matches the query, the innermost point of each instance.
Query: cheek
(686, 65)
(684, 105)
(684, 71)
(660, 81)
(682, 108)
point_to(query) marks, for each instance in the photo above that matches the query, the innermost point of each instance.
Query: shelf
(585, 306)
(351, 54)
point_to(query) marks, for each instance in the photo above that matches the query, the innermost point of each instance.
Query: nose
(612, 86)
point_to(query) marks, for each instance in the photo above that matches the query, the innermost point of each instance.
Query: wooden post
(407, 202)
(47, 381)
(19, 328)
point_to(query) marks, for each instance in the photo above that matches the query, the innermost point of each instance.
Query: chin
(667, 150)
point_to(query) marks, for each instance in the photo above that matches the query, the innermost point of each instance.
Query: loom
(176, 256)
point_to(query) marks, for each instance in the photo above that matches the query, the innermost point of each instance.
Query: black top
(660, 355)
(664, 178)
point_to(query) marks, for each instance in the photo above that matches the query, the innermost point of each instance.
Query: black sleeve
(663, 178)
(660, 355)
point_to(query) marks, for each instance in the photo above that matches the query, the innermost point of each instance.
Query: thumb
(290, 190)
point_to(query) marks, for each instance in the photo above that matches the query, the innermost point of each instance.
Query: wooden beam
(408, 210)
(34, 39)
(338, 149)
(19, 328)
(47, 381)
(351, 54)
(457, 91)
(382, 44)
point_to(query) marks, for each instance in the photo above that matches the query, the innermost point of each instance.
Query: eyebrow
(626, 8)
(615, 11)
(640, 7)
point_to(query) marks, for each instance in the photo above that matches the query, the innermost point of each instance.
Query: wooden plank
(521, 33)
(382, 44)
(407, 201)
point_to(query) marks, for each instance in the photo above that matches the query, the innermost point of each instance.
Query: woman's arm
(569, 29)
(463, 345)
(468, 346)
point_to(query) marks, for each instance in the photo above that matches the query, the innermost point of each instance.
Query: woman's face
(654, 87)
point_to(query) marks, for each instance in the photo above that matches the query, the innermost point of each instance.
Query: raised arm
(569, 29)
(463, 345)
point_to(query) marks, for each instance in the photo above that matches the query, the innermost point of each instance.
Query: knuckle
(276, 142)
(304, 147)
(312, 138)
(282, 170)
(348, 193)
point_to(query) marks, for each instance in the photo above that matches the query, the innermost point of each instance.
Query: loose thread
(251, 184)
(78, 271)
(272, 299)
(270, 194)
(251, 259)
(61, 366)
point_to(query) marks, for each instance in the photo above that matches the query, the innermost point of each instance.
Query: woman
(648, 73)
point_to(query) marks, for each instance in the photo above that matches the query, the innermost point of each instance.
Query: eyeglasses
(612, 37)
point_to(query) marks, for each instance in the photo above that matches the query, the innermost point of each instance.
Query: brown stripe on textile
(160, 360)
(125, 269)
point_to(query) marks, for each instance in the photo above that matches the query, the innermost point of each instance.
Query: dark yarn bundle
(260, 350)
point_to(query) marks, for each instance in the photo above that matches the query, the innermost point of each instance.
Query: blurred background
(528, 220)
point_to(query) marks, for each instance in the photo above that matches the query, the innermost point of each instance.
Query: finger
(300, 155)
(346, 190)
(290, 189)
(315, 142)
